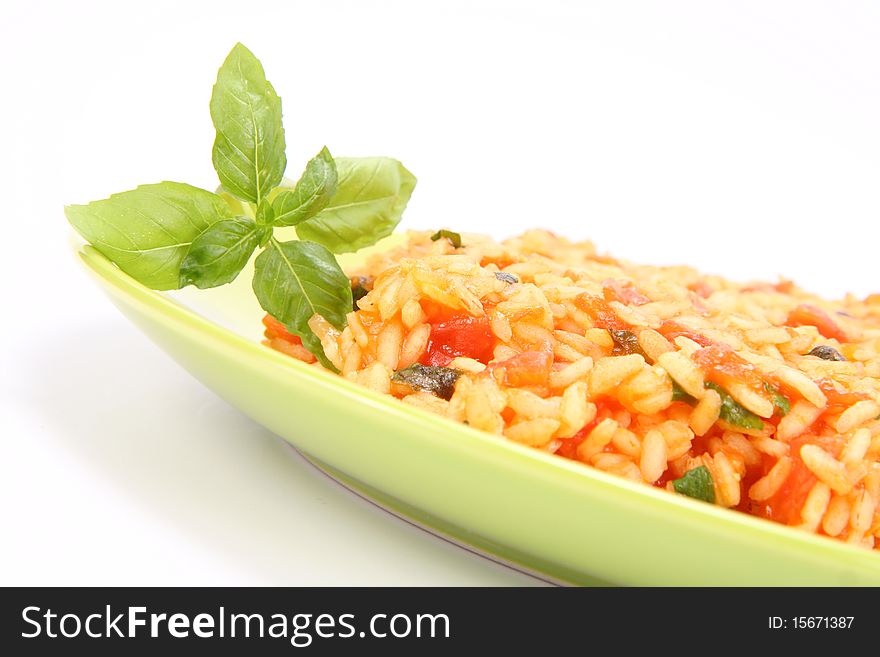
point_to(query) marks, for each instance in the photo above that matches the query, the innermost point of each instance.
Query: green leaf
(264, 234)
(295, 280)
(237, 207)
(734, 413)
(780, 401)
(358, 291)
(147, 231)
(679, 394)
(696, 483)
(249, 148)
(311, 194)
(371, 195)
(453, 237)
(219, 254)
(265, 213)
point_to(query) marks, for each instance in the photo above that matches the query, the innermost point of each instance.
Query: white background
(739, 137)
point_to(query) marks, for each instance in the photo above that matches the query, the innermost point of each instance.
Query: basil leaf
(696, 483)
(264, 234)
(295, 280)
(219, 254)
(453, 237)
(249, 148)
(371, 195)
(780, 401)
(359, 291)
(265, 214)
(679, 394)
(734, 413)
(311, 194)
(237, 207)
(147, 231)
(439, 381)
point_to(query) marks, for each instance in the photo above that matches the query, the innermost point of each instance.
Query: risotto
(761, 397)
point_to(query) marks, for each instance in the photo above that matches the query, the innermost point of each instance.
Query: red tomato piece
(600, 312)
(459, 334)
(624, 292)
(530, 368)
(701, 288)
(838, 401)
(785, 286)
(569, 446)
(836, 398)
(722, 365)
(785, 506)
(435, 312)
(808, 315)
(275, 329)
(670, 330)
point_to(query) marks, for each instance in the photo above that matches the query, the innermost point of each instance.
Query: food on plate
(761, 397)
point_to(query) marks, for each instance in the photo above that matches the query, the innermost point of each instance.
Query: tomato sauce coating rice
(655, 374)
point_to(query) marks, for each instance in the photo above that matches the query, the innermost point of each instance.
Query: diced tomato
(702, 288)
(665, 478)
(275, 329)
(600, 312)
(530, 368)
(569, 446)
(605, 408)
(500, 261)
(722, 365)
(808, 315)
(785, 506)
(458, 334)
(434, 311)
(785, 286)
(273, 324)
(624, 292)
(838, 401)
(671, 329)
(836, 398)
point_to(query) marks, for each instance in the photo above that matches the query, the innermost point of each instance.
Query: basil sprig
(170, 235)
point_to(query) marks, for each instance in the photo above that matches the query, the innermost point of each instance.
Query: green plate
(469, 540)
(544, 513)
